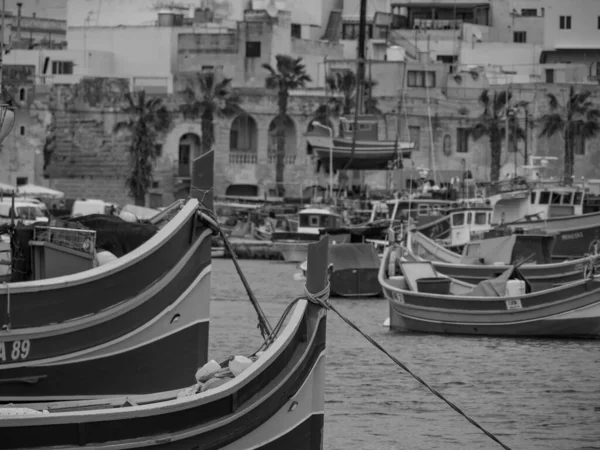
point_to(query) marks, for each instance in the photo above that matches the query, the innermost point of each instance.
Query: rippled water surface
(533, 394)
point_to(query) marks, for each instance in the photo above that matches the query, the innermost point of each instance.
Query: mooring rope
(322, 299)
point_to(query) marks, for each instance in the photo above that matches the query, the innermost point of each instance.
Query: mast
(360, 74)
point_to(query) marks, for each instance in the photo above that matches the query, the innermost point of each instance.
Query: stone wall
(89, 160)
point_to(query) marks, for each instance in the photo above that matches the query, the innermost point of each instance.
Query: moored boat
(274, 402)
(487, 258)
(111, 329)
(370, 153)
(422, 300)
(293, 246)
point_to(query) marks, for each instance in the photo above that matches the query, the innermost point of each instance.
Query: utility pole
(2, 49)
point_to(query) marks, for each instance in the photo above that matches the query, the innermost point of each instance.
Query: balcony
(239, 158)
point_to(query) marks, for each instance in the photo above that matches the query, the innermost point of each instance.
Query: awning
(33, 190)
(6, 188)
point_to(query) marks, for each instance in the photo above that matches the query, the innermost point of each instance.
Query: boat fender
(238, 364)
(207, 371)
(392, 263)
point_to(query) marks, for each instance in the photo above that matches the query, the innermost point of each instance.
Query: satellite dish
(271, 9)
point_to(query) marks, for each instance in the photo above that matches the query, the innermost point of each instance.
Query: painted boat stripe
(108, 313)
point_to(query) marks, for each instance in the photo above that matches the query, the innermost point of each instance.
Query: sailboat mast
(360, 62)
(360, 74)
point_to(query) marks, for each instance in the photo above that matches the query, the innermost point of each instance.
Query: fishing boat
(273, 399)
(293, 245)
(93, 323)
(423, 300)
(457, 226)
(487, 258)
(370, 152)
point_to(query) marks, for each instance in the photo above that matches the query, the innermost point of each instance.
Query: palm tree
(577, 121)
(492, 123)
(147, 119)
(208, 95)
(346, 83)
(289, 73)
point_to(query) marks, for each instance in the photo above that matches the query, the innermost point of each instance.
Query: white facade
(572, 24)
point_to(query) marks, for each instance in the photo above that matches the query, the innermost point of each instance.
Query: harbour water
(532, 394)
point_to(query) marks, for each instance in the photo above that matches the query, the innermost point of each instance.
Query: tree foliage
(147, 119)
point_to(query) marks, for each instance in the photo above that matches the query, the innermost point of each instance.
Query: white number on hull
(14, 351)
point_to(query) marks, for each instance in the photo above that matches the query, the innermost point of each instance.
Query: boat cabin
(311, 220)
(544, 202)
(421, 210)
(368, 128)
(459, 226)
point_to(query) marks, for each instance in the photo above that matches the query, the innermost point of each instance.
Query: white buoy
(386, 322)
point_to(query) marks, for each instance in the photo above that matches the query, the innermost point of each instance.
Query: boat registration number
(514, 304)
(14, 351)
(398, 297)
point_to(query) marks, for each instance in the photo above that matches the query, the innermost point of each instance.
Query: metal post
(330, 130)
(2, 50)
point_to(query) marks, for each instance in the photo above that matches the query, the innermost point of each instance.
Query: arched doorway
(243, 140)
(290, 141)
(189, 149)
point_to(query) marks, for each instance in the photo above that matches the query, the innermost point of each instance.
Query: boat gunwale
(107, 314)
(528, 267)
(164, 402)
(149, 247)
(386, 285)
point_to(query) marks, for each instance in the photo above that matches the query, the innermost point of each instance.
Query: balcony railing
(431, 24)
(288, 159)
(242, 157)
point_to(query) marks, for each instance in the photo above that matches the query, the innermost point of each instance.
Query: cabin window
(567, 198)
(364, 126)
(533, 197)
(458, 220)
(544, 198)
(578, 197)
(480, 218)
(556, 198)
(489, 218)
(313, 221)
(423, 210)
(469, 218)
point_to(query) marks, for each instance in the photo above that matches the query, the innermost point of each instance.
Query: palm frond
(552, 102)
(552, 124)
(478, 131)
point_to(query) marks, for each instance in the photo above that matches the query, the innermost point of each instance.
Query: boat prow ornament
(7, 120)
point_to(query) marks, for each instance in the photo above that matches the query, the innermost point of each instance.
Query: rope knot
(321, 298)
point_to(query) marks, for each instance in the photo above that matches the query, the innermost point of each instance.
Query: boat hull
(583, 326)
(355, 283)
(151, 342)
(570, 310)
(161, 355)
(278, 404)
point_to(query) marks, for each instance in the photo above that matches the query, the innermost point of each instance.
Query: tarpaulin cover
(115, 235)
(357, 234)
(353, 256)
(496, 287)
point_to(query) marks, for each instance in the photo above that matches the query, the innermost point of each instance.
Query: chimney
(19, 5)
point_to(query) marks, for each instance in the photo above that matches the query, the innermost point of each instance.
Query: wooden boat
(293, 246)
(546, 207)
(135, 325)
(569, 310)
(277, 402)
(370, 152)
(491, 257)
